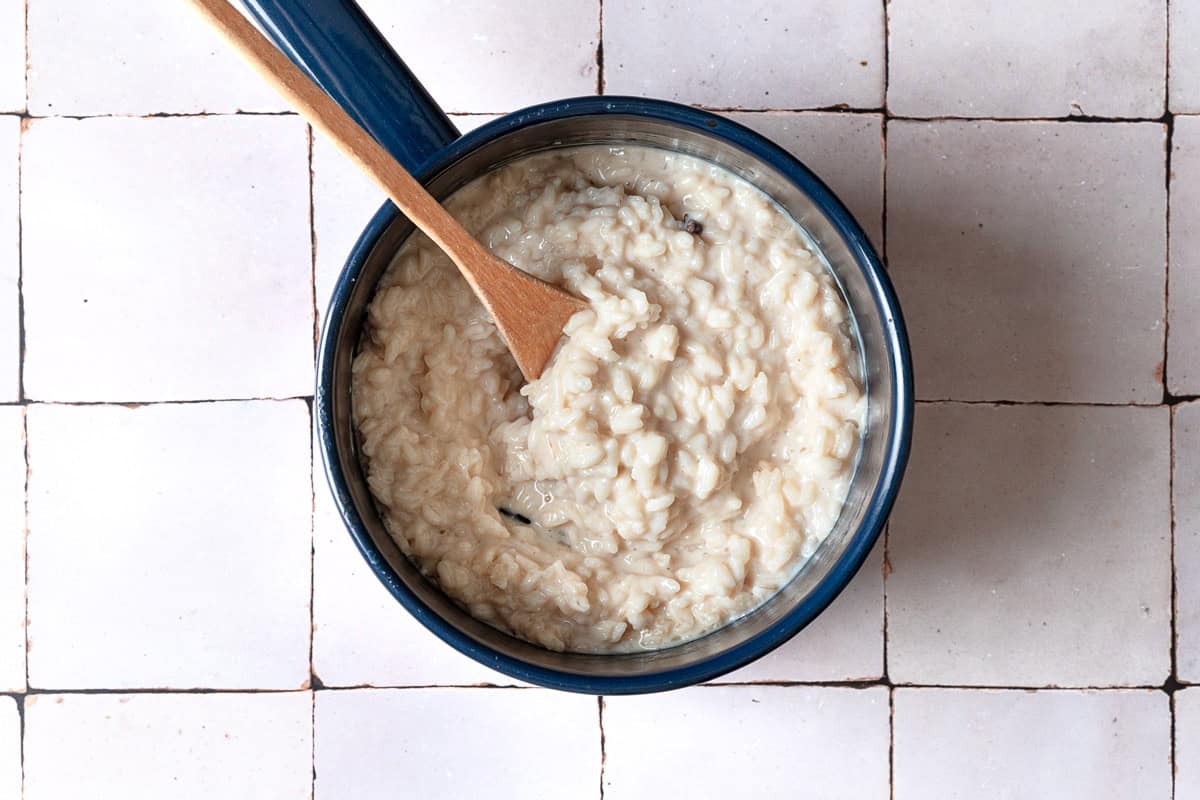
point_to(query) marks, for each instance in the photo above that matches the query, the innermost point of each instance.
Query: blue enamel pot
(334, 42)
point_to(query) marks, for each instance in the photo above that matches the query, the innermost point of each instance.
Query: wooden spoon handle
(328, 117)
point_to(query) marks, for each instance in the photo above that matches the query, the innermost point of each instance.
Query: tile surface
(12, 549)
(1184, 92)
(12, 55)
(1027, 58)
(10, 255)
(131, 57)
(177, 243)
(482, 56)
(362, 636)
(774, 54)
(741, 741)
(113, 747)
(1183, 345)
(1187, 744)
(136, 305)
(992, 224)
(972, 744)
(455, 743)
(845, 150)
(1030, 547)
(845, 643)
(1186, 503)
(187, 530)
(10, 748)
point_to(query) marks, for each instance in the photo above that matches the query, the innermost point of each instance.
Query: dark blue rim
(878, 506)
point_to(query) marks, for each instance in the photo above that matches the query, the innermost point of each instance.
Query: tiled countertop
(182, 615)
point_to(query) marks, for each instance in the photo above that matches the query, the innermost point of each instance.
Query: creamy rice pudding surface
(688, 447)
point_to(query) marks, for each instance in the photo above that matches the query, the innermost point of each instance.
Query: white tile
(845, 150)
(1187, 744)
(12, 55)
(1027, 58)
(12, 549)
(1030, 258)
(743, 741)
(1183, 346)
(482, 56)
(169, 546)
(1185, 56)
(362, 636)
(1186, 497)
(10, 254)
(181, 746)
(132, 57)
(167, 259)
(344, 200)
(453, 743)
(845, 643)
(10, 748)
(1030, 546)
(974, 744)
(774, 54)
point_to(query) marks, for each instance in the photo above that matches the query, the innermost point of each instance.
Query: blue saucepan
(335, 43)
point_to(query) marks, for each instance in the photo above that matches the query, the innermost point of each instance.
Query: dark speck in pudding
(692, 226)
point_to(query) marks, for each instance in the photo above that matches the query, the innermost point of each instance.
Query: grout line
(1170, 401)
(28, 54)
(26, 115)
(312, 242)
(142, 403)
(312, 790)
(28, 472)
(22, 128)
(600, 702)
(21, 733)
(887, 55)
(312, 550)
(34, 692)
(312, 488)
(1171, 702)
(839, 108)
(600, 53)
(892, 742)
(1172, 686)
(1169, 688)
(1172, 683)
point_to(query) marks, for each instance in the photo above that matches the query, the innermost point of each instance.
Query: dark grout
(892, 743)
(28, 473)
(838, 108)
(26, 115)
(600, 53)
(36, 691)
(1052, 403)
(1172, 683)
(27, 403)
(23, 126)
(603, 748)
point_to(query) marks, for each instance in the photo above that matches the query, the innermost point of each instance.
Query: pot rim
(898, 435)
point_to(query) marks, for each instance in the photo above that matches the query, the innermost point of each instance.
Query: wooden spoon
(529, 312)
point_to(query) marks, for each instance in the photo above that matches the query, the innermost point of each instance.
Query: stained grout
(1171, 688)
(834, 109)
(313, 681)
(1172, 683)
(600, 51)
(600, 703)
